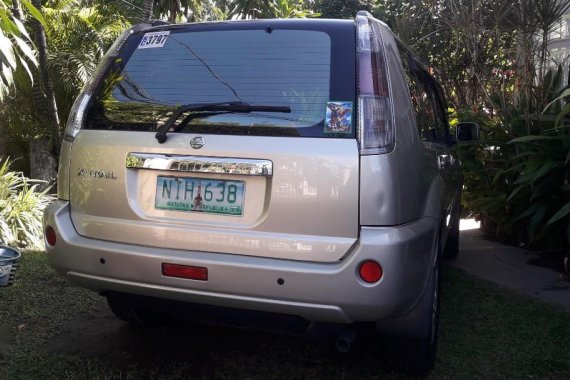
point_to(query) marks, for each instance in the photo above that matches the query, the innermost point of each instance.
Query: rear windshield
(302, 69)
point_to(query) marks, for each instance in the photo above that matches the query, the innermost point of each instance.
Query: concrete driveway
(511, 267)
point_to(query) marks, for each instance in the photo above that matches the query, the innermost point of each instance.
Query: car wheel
(452, 247)
(126, 312)
(416, 356)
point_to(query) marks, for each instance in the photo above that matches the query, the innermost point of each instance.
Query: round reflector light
(50, 236)
(370, 271)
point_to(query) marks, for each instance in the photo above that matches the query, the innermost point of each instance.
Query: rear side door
(433, 129)
(280, 185)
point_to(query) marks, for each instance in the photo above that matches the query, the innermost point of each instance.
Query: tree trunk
(46, 108)
(43, 162)
(47, 86)
(2, 141)
(174, 8)
(147, 10)
(16, 9)
(43, 165)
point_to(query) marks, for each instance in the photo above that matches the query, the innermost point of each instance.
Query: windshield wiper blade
(225, 107)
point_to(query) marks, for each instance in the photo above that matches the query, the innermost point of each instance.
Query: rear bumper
(323, 292)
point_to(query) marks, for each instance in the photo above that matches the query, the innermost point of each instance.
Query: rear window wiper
(223, 107)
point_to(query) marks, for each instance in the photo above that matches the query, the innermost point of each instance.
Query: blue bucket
(9, 258)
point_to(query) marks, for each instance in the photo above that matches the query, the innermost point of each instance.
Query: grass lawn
(51, 330)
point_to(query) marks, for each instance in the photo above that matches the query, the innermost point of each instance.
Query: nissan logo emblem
(197, 142)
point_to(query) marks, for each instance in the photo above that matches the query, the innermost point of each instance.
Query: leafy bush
(517, 180)
(542, 190)
(484, 197)
(21, 209)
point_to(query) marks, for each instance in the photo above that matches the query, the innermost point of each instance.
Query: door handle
(444, 161)
(200, 164)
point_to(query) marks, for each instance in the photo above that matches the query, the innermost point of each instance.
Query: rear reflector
(185, 271)
(370, 271)
(50, 236)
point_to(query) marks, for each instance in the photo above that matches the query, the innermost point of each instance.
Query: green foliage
(79, 37)
(16, 47)
(21, 209)
(342, 8)
(541, 191)
(491, 57)
(287, 9)
(483, 195)
(517, 178)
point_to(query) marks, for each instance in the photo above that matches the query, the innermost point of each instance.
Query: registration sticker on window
(338, 117)
(153, 40)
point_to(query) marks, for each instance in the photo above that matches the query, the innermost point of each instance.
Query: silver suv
(299, 168)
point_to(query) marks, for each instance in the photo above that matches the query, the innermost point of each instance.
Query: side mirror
(467, 132)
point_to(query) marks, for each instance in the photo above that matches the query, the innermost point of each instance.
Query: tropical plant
(78, 36)
(21, 209)
(517, 184)
(542, 187)
(492, 58)
(46, 146)
(16, 46)
(484, 197)
(247, 9)
(286, 9)
(348, 9)
(173, 10)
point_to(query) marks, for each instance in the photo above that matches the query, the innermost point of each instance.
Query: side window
(437, 100)
(430, 119)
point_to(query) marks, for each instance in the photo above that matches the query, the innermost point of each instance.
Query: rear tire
(416, 356)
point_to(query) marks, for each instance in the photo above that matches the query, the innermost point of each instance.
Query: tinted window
(282, 68)
(430, 118)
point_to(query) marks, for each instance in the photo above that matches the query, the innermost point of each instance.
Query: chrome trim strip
(200, 164)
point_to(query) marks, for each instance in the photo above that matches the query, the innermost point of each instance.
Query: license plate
(211, 196)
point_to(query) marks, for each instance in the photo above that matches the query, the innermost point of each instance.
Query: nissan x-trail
(295, 168)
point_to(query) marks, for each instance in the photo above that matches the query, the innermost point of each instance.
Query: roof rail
(156, 22)
(364, 13)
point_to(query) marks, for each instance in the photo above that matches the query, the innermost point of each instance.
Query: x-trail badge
(197, 142)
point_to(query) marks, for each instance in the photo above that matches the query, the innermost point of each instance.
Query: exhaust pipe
(344, 339)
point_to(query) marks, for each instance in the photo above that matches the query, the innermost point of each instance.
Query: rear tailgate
(263, 184)
(306, 210)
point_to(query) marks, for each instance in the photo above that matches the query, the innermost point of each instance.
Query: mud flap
(414, 324)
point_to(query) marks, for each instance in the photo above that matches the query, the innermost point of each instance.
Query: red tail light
(50, 236)
(375, 126)
(370, 271)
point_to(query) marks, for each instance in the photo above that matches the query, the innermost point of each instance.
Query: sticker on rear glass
(338, 117)
(153, 40)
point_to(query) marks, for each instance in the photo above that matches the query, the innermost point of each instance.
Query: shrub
(542, 189)
(21, 209)
(517, 180)
(484, 197)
